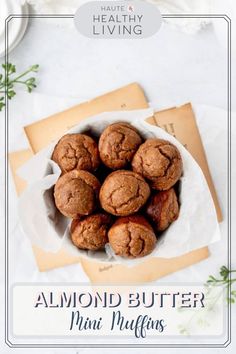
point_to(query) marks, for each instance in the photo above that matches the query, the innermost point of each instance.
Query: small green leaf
(230, 300)
(224, 272)
(9, 68)
(8, 83)
(2, 104)
(34, 68)
(10, 94)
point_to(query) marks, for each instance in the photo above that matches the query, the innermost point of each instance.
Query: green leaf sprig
(8, 81)
(224, 279)
(215, 290)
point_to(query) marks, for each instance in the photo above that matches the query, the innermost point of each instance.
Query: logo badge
(118, 19)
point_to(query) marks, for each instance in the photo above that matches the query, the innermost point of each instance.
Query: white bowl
(196, 226)
(16, 26)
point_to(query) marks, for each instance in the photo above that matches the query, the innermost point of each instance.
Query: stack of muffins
(120, 190)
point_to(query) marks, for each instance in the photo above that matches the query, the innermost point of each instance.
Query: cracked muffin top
(76, 151)
(160, 162)
(123, 193)
(76, 193)
(118, 144)
(163, 209)
(132, 237)
(91, 232)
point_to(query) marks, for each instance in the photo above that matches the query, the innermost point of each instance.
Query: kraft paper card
(147, 271)
(181, 123)
(130, 97)
(126, 98)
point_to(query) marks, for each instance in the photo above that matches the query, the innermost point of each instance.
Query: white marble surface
(172, 67)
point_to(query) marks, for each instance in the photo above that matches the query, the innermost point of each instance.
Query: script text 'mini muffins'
(135, 201)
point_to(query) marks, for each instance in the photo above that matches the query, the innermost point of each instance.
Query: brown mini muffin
(132, 237)
(163, 209)
(123, 193)
(160, 162)
(118, 144)
(91, 232)
(76, 193)
(76, 151)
